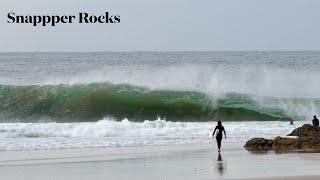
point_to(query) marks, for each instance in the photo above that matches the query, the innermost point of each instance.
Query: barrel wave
(92, 102)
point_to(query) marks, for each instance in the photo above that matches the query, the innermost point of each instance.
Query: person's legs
(219, 143)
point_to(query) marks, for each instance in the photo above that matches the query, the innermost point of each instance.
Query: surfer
(315, 121)
(219, 128)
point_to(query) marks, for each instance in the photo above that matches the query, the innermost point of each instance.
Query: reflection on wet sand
(219, 166)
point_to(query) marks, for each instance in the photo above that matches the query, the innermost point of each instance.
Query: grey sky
(167, 25)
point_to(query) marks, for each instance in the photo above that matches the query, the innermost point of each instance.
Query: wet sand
(196, 161)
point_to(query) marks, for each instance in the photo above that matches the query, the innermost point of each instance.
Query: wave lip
(91, 102)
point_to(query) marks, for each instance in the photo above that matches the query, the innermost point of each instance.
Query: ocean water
(115, 99)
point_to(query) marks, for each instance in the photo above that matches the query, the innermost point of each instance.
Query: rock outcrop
(306, 131)
(302, 139)
(259, 144)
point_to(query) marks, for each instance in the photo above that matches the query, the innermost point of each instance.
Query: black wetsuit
(219, 135)
(315, 122)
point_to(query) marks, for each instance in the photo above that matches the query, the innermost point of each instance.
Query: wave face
(177, 86)
(92, 102)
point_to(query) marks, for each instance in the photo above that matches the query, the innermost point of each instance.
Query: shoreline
(105, 154)
(191, 161)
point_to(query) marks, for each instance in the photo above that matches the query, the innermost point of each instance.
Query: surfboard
(211, 135)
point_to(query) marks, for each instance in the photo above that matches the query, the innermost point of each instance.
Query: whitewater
(118, 99)
(110, 133)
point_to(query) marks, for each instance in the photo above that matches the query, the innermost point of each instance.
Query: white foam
(109, 133)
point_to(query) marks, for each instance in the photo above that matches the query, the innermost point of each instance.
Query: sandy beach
(196, 161)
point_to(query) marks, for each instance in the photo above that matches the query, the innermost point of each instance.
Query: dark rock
(259, 144)
(307, 140)
(285, 144)
(309, 143)
(306, 130)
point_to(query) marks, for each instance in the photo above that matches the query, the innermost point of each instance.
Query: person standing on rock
(219, 128)
(315, 121)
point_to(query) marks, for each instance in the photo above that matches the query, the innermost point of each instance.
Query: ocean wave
(92, 102)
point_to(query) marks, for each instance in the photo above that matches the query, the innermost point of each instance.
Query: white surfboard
(211, 135)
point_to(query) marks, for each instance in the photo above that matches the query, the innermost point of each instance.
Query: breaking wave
(92, 102)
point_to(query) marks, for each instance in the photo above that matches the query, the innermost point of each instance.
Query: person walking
(219, 128)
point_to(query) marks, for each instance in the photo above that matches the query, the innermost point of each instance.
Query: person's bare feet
(219, 150)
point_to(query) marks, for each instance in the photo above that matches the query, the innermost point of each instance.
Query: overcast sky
(166, 25)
